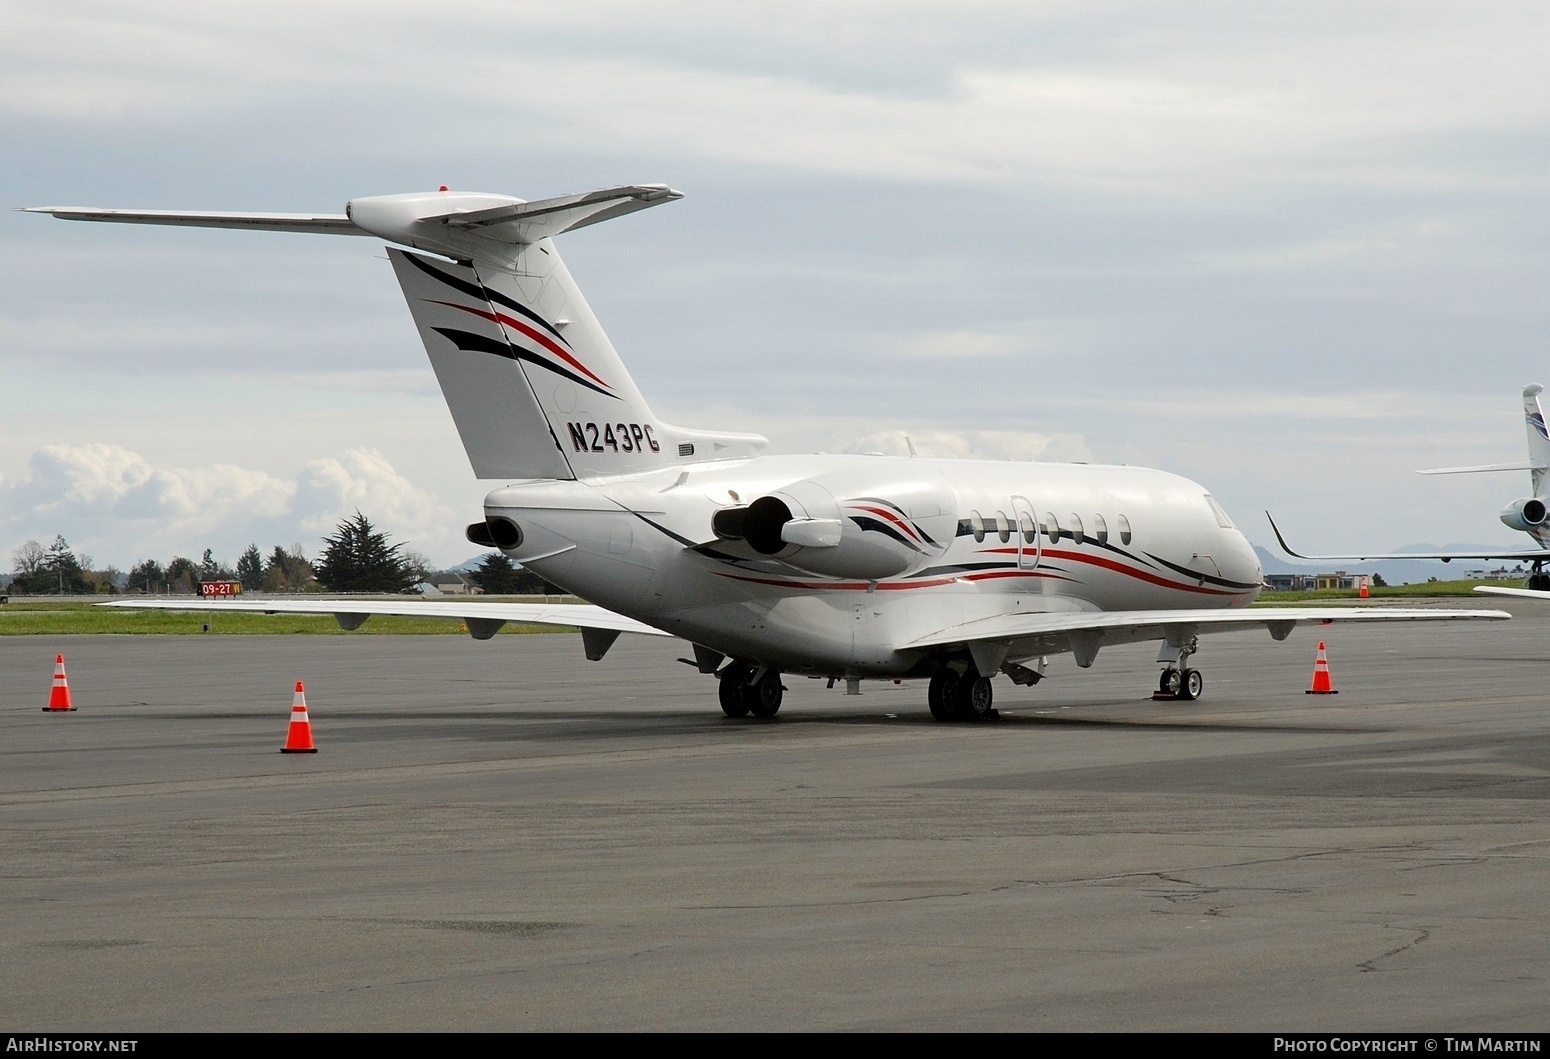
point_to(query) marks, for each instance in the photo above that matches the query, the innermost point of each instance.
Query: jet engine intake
(1526, 514)
(878, 530)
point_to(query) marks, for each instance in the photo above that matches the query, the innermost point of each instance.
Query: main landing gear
(1539, 580)
(960, 697)
(744, 690)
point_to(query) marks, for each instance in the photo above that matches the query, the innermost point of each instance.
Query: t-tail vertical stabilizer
(533, 384)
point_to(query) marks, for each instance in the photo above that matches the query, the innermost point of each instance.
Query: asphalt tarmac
(504, 836)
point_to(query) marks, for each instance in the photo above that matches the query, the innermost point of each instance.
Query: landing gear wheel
(1539, 582)
(1168, 681)
(733, 681)
(940, 695)
(973, 696)
(763, 698)
(1191, 685)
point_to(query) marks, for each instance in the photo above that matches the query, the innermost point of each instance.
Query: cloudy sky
(1293, 251)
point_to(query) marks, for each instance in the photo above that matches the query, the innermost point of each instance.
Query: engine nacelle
(1525, 514)
(849, 525)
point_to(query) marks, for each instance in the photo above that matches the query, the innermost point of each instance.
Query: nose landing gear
(1179, 682)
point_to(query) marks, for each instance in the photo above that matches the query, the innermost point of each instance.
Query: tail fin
(1538, 438)
(534, 385)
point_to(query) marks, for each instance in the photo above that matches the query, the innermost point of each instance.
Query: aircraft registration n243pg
(843, 567)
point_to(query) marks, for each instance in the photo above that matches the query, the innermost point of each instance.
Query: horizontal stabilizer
(308, 223)
(528, 222)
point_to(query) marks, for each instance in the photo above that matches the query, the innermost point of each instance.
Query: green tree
(147, 577)
(64, 570)
(497, 575)
(182, 575)
(287, 571)
(250, 569)
(359, 559)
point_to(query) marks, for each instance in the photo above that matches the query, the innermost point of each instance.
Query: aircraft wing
(484, 620)
(1519, 554)
(1484, 468)
(1522, 593)
(1082, 633)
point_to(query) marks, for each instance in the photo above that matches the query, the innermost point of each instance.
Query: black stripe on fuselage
(1198, 576)
(867, 522)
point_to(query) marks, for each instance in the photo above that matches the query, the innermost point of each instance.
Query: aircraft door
(1027, 531)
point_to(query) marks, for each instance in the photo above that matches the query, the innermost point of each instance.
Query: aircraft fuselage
(978, 539)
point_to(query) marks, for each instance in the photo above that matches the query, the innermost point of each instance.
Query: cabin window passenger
(1030, 531)
(976, 526)
(1003, 527)
(1124, 530)
(1076, 528)
(1051, 527)
(1100, 529)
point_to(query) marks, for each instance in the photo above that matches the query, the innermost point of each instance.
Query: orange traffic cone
(298, 740)
(1363, 594)
(1321, 681)
(59, 697)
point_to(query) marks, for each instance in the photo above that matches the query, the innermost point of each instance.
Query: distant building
(450, 584)
(1313, 582)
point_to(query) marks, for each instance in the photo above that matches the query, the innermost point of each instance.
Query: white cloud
(114, 504)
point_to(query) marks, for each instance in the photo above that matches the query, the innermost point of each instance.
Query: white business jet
(841, 567)
(1528, 513)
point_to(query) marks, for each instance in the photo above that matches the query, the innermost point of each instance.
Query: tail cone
(1321, 682)
(59, 697)
(298, 740)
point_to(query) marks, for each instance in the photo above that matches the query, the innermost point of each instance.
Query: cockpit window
(1221, 515)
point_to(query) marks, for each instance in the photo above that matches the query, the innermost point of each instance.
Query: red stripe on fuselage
(894, 586)
(891, 517)
(1110, 564)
